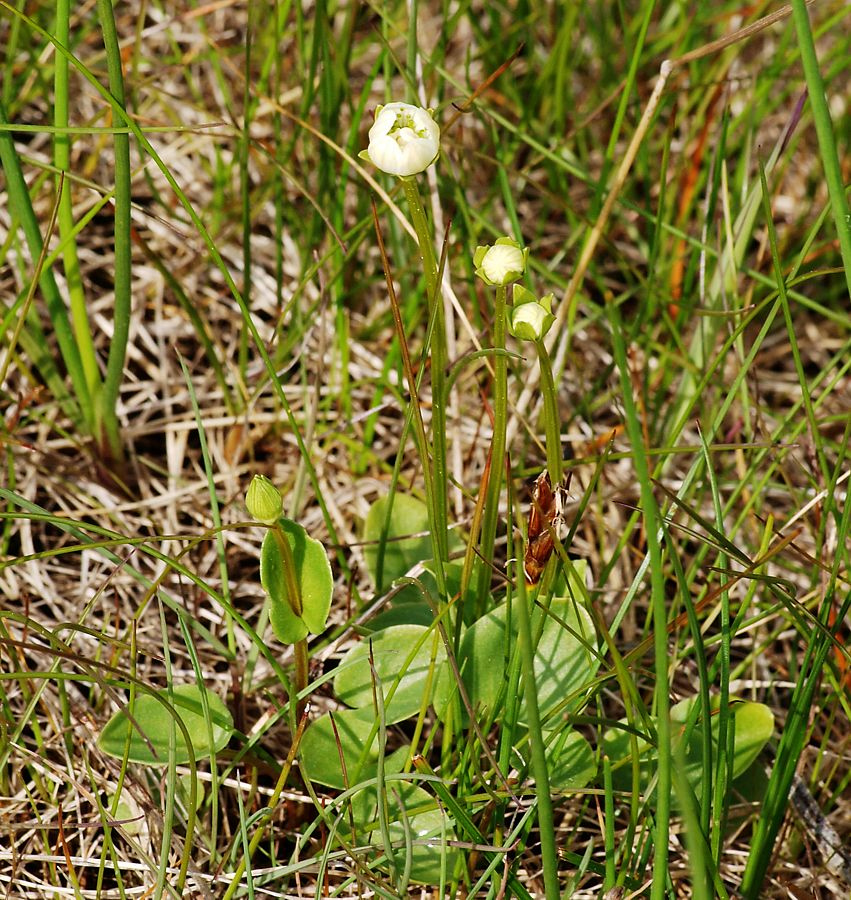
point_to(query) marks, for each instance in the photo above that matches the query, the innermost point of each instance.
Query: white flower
(502, 263)
(531, 318)
(403, 140)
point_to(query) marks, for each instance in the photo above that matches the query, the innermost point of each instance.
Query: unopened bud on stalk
(263, 500)
(530, 318)
(501, 263)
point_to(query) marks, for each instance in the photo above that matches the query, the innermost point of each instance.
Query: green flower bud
(530, 318)
(501, 263)
(263, 500)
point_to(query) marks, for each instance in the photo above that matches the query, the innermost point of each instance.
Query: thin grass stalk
(609, 824)
(107, 401)
(658, 611)
(552, 421)
(824, 132)
(419, 425)
(539, 767)
(438, 365)
(62, 160)
(20, 205)
(245, 186)
(380, 772)
(268, 813)
(724, 758)
(497, 449)
(797, 722)
(31, 342)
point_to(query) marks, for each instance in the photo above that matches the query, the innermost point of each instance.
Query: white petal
(403, 140)
(502, 263)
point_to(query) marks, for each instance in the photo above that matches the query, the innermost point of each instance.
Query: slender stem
(294, 599)
(658, 610)
(500, 416)
(62, 159)
(539, 767)
(21, 208)
(288, 561)
(438, 364)
(824, 131)
(302, 670)
(552, 421)
(108, 399)
(415, 411)
(266, 818)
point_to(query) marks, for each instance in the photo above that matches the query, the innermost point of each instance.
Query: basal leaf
(347, 730)
(403, 657)
(151, 722)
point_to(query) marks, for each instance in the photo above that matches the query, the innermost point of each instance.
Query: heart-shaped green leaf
(571, 762)
(151, 723)
(564, 661)
(753, 725)
(347, 730)
(405, 538)
(404, 657)
(313, 576)
(415, 820)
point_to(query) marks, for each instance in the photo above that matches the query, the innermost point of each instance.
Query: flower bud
(404, 140)
(530, 318)
(502, 263)
(263, 500)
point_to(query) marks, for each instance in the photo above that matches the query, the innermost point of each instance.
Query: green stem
(291, 586)
(62, 159)
(288, 562)
(302, 660)
(539, 766)
(440, 537)
(415, 414)
(266, 819)
(824, 131)
(108, 399)
(500, 417)
(21, 209)
(552, 422)
(658, 610)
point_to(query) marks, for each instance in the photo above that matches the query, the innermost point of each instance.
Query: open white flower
(530, 318)
(502, 263)
(403, 140)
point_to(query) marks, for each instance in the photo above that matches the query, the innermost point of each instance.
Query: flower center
(405, 123)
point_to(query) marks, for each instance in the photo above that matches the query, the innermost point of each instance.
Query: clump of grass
(191, 275)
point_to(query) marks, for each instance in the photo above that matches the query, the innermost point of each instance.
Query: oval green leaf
(753, 725)
(415, 819)
(571, 762)
(347, 730)
(564, 661)
(313, 576)
(151, 722)
(404, 656)
(405, 537)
